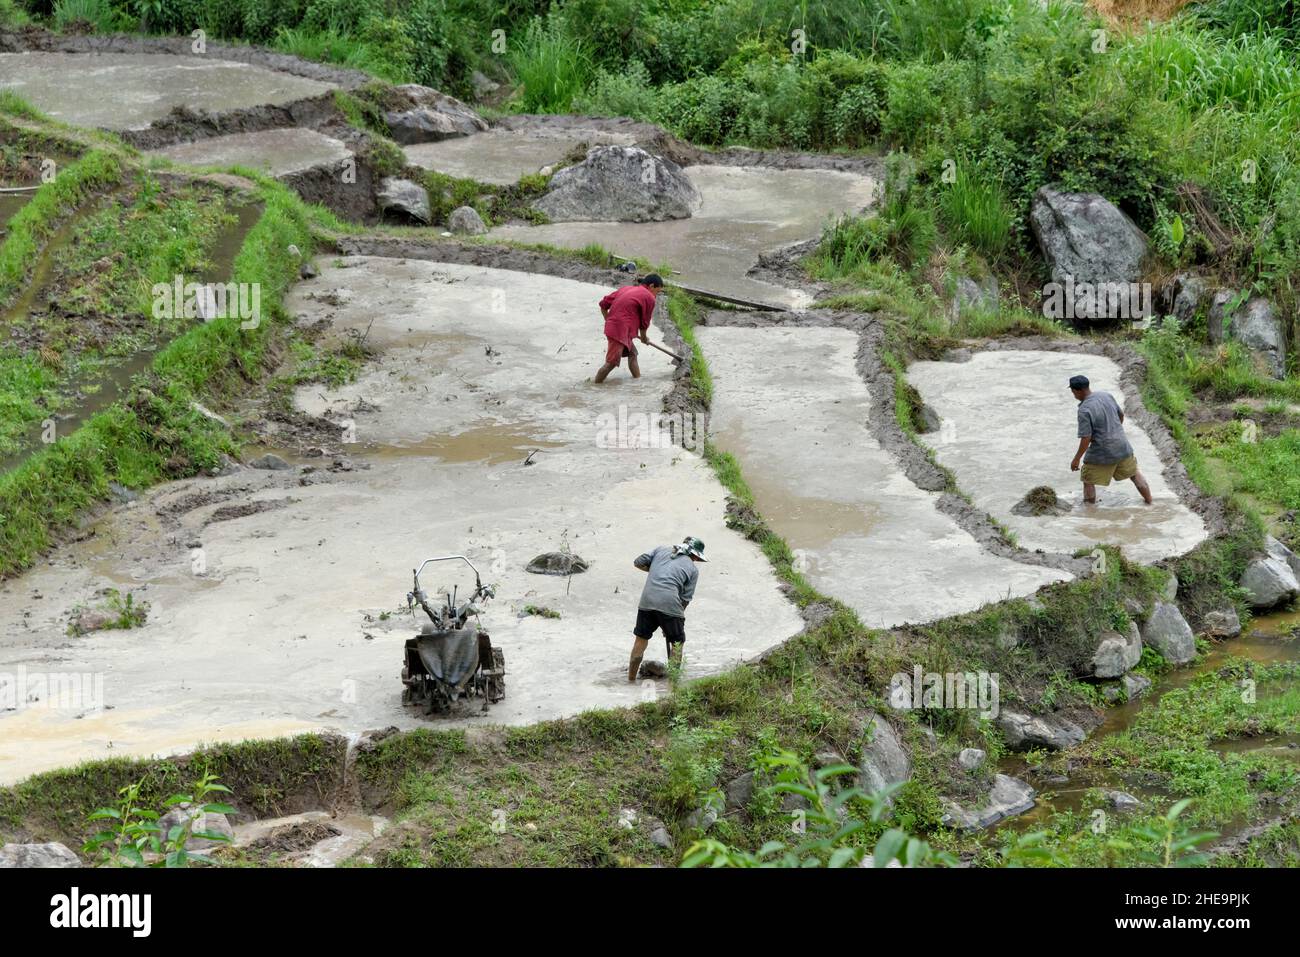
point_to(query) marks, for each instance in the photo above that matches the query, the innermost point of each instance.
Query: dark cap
(653, 279)
(1079, 382)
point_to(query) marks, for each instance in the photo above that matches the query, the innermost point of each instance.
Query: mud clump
(294, 838)
(558, 563)
(1040, 500)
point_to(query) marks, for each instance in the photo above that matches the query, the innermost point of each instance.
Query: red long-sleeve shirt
(630, 309)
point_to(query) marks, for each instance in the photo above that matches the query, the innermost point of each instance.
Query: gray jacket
(670, 581)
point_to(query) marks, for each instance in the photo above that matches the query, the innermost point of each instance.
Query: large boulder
(37, 855)
(1085, 236)
(1009, 796)
(620, 184)
(1255, 324)
(408, 199)
(1272, 580)
(423, 115)
(1167, 631)
(884, 761)
(1025, 731)
(1117, 653)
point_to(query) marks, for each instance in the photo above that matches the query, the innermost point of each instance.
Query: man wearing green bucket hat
(669, 587)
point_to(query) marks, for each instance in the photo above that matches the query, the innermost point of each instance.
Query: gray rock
(1222, 623)
(206, 822)
(884, 761)
(482, 85)
(620, 184)
(930, 420)
(661, 838)
(701, 819)
(270, 461)
(1122, 800)
(408, 199)
(465, 221)
(1025, 731)
(827, 759)
(971, 758)
(1167, 632)
(1008, 636)
(308, 270)
(1009, 797)
(1258, 327)
(1135, 686)
(1270, 581)
(427, 116)
(1170, 590)
(122, 494)
(739, 791)
(52, 854)
(969, 295)
(1117, 652)
(793, 802)
(1217, 318)
(1279, 551)
(1085, 236)
(1183, 295)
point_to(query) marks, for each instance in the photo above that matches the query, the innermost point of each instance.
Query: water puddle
(491, 443)
(310, 839)
(501, 157)
(746, 211)
(274, 152)
(126, 91)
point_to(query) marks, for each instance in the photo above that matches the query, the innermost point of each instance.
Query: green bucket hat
(694, 547)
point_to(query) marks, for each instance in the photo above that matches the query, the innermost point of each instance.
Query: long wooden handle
(667, 352)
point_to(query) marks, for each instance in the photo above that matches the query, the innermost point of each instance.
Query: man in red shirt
(627, 312)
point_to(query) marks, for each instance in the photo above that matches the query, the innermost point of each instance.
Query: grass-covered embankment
(156, 432)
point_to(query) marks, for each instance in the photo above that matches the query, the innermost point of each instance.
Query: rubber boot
(634, 666)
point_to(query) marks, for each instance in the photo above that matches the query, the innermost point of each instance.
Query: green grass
(51, 204)
(552, 66)
(156, 433)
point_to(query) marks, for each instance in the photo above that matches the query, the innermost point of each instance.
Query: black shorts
(647, 621)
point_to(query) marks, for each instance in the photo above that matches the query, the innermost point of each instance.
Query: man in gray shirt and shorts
(669, 587)
(1104, 450)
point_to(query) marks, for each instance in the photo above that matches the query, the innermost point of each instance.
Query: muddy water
(122, 91)
(1009, 424)
(10, 203)
(1268, 640)
(790, 405)
(290, 622)
(501, 157)
(746, 211)
(98, 391)
(491, 443)
(275, 152)
(354, 832)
